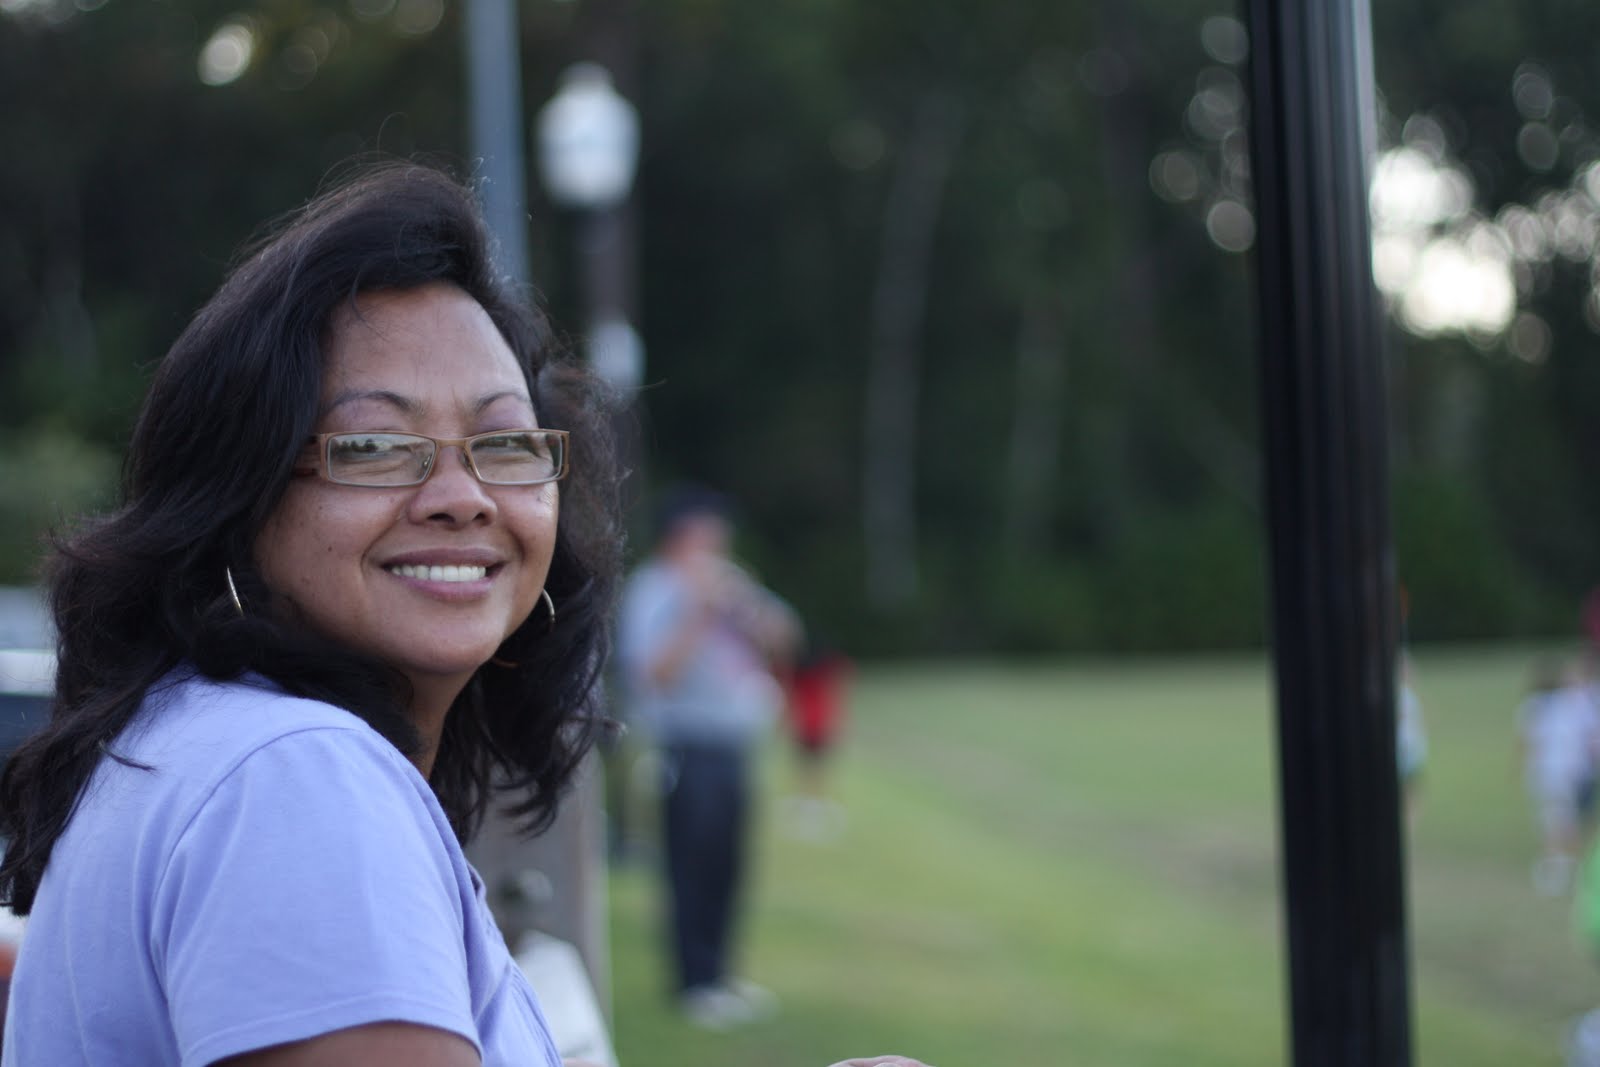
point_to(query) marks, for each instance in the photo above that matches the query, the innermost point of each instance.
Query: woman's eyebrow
(489, 398)
(404, 404)
(407, 406)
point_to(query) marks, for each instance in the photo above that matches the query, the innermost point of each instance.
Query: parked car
(27, 676)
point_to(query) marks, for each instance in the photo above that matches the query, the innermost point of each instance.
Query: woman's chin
(444, 669)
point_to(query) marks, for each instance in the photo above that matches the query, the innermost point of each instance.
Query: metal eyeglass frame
(462, 444)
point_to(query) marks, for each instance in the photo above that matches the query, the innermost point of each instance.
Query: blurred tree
(952, 292)
(1503, 420)
(147, 142)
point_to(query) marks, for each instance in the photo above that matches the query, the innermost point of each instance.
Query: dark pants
(706, 805)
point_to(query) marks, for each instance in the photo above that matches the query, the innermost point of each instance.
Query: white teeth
(440, 574)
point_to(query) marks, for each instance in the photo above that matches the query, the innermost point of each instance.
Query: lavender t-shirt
(280, 872)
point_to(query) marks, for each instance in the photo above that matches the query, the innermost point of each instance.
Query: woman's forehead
(416, 349)
(418, 405)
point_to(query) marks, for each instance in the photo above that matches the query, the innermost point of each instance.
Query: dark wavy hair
(140, 591)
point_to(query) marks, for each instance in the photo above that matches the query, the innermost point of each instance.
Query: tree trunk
(894, 374)
(1036, 426)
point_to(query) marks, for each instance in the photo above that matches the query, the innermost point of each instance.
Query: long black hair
(141, 590)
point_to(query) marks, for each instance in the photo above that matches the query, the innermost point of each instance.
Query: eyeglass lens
(514, 458)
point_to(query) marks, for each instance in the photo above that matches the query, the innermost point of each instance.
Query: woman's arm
(375, 1045)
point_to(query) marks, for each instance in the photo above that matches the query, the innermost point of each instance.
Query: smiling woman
(354, 576)
(363, 565)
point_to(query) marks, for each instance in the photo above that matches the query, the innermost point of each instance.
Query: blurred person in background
(1559, 745)
(699, 640)
(1591, 621)
(354, 577)
(817, 689)
(1411, 738)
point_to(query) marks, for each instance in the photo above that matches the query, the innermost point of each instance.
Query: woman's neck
(432, 696)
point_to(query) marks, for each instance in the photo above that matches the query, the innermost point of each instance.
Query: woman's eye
(362, 446)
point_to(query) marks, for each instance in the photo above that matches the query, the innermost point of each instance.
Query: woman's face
(353, 563)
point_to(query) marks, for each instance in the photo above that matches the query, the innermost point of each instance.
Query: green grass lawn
(1076, 865)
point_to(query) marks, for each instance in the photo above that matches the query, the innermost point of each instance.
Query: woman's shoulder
(208, 760)
(194, 732)
(244, 712)
(240, 767)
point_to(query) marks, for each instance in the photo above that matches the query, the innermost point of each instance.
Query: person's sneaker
(712, 1007)
(759, 1002)
(813, 819)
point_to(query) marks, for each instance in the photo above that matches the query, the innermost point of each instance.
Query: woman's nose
(452, 492)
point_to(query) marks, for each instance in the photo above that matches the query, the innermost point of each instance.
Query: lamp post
(588, 139)
(554, 884)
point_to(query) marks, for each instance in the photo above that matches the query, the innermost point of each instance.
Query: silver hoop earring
(550, 606)
(233, 590)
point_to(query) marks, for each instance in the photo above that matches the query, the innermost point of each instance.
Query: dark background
(1079, 466)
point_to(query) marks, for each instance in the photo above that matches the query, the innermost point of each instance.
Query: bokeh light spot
(1532, 92)
(1589, 181)
(228, 52)
(1529, 338)
(1410, 190)
(26, 7)
(1455, 288)
(1225, 39)
(1423, 133)
(1394, 261)
(1217, 107)
(1537, 146)
(1231, 226)
(297, 65)
(1175, 176)
(416, 18)
(371, 10)
(1530, 240)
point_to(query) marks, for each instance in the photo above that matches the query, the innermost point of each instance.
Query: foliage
(47, 478)
(1461, 580)
(1080, 463)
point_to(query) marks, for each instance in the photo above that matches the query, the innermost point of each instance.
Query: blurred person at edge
(698, 640)
(1411, 737)
(1558, 734)
(346, 586)
(1591, 620)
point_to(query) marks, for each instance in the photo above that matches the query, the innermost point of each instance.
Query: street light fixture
(588, 137)
(588, 141)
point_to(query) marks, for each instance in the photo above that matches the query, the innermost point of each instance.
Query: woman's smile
(448, 573)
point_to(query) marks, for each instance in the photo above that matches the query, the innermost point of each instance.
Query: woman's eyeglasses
(386, 460)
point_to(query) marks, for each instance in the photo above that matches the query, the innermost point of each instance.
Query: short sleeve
(310, 892)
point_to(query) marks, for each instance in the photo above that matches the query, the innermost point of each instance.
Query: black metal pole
(1333, 600)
